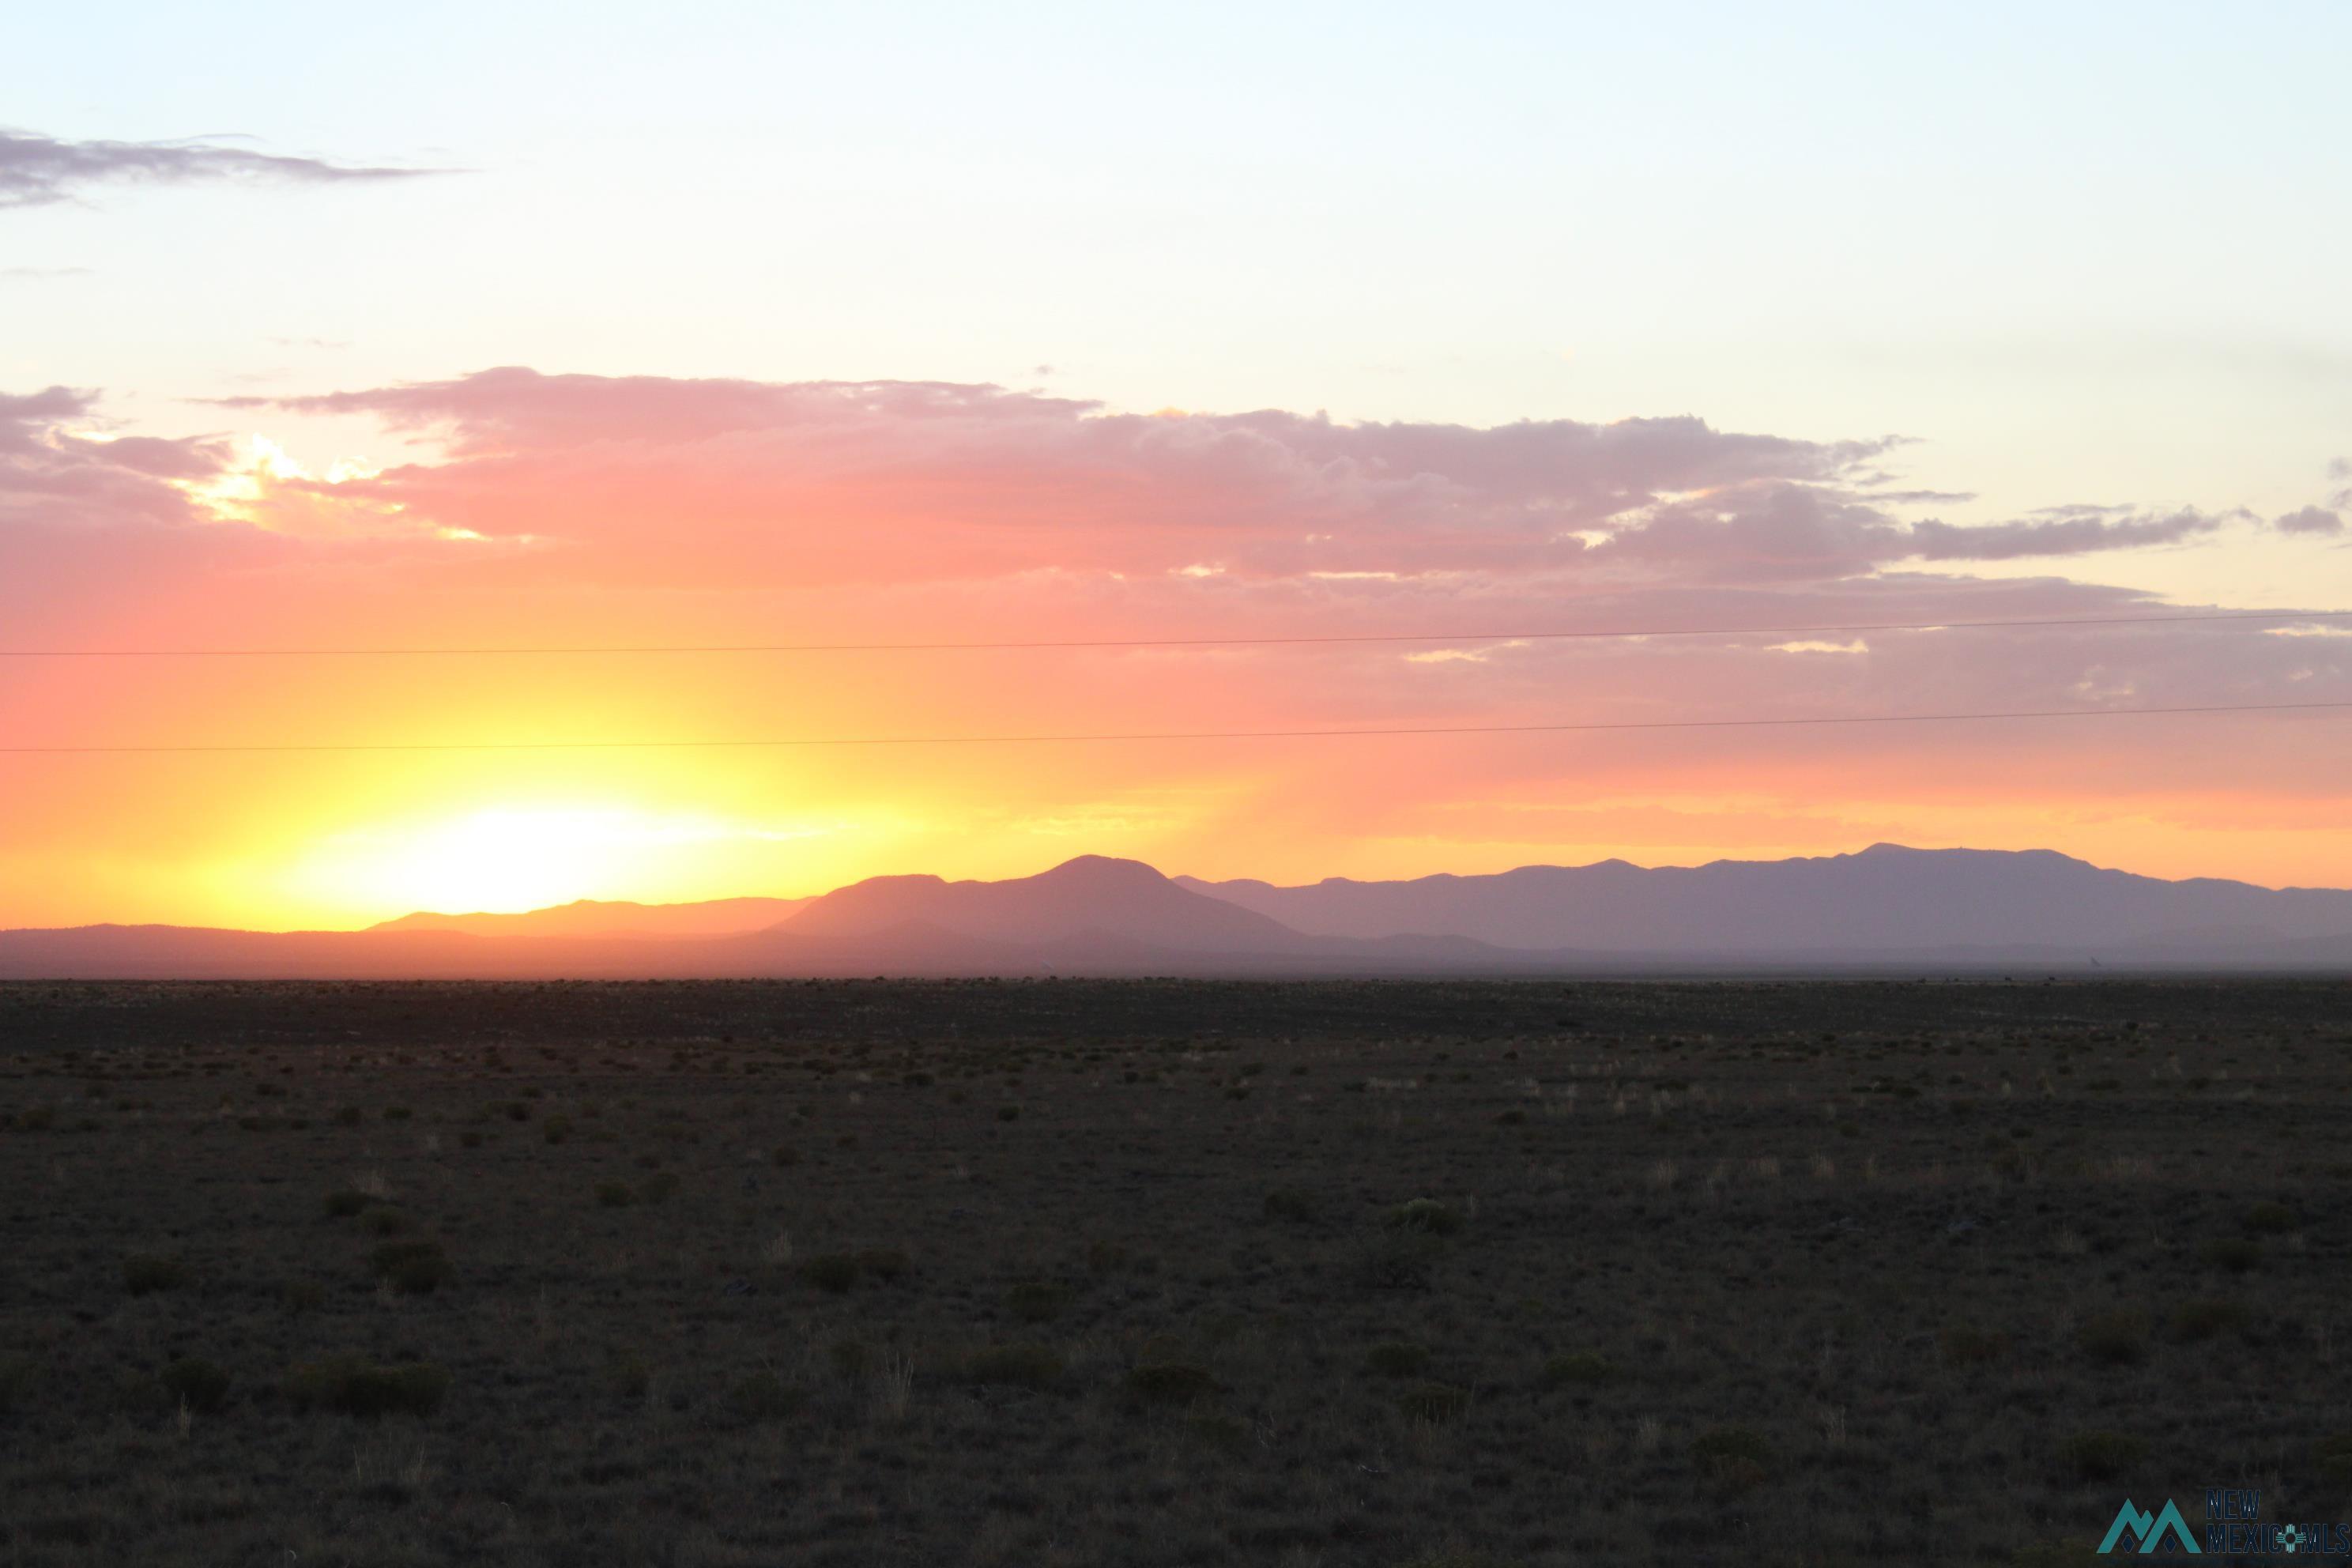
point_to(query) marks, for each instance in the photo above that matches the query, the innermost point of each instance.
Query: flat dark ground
(1132, 1272)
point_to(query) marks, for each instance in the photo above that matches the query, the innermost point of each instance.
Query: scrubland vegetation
(1096, 1272)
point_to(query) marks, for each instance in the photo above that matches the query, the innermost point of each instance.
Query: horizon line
(1175, 878)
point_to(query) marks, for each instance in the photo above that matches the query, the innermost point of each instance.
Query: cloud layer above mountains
(832, 480)
(575, 511)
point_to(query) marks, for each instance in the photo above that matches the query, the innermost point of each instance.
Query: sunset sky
(468, 328)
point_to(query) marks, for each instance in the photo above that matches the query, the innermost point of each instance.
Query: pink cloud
(2075, 531)
(55, 474)
(865, 480)
(2310, 520)
(850, 481)
(581, 509)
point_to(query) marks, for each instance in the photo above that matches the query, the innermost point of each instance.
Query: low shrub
(628, 1377)
(2102, 1455)
(1578, 1369)
(198, 1384)
(64, 1529)
(1405, 1261)
(303, 1295)
(883, 1263)
(763, 1397)
(1397, 1358)
(2231, 1253)
(1434, 1402)
(2332, 1456)
(1736, 1456)
(2063, 1554)
(143, 1273)
(2195, 1321)
(346, 1202)
(413, 1268)
(1289, 1204)
(1218, 1432)
(614, 1194)
(2114, 1339)
(1036, 1302)
(1961, 1345)
(2270, 1219)
(1170, 1383)
(1013, 1367)
(660, 1187)
(353, 1385)
(833, 1271)
(16, 1373)
(1424, 1214)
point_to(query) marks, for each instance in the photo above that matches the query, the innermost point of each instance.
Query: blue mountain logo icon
(2149, 1530)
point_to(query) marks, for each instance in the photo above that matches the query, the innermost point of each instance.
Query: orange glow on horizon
(585, 512)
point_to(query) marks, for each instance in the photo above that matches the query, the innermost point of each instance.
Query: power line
(1048, 738)
(1599, 634)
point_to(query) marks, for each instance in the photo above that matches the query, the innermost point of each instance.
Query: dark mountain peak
(1887, 902)
(1884, 899)
(1204, 885)
(608, 918)
(1105, 871)
(1090, 895)
(1958, 853)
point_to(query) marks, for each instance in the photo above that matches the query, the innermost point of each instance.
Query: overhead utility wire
(1051, 739)
(1599, 634)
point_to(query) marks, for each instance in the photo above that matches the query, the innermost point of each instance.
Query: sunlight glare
(503, 859)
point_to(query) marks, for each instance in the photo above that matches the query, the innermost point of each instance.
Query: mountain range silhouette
(1884, 908)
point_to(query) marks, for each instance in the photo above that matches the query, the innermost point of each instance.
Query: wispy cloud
(39, 170)
(2089, 529)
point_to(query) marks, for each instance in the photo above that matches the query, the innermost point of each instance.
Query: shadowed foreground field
(1064, 1273)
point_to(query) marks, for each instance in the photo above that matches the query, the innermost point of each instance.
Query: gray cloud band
(37, 170)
